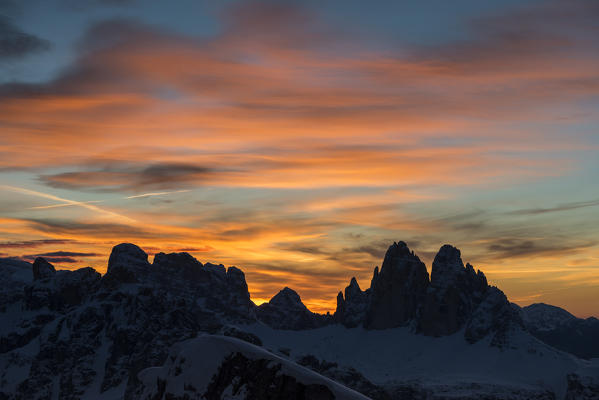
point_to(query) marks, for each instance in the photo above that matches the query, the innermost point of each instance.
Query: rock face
(582, 387)
(455, 292)
(398, 290)
(286, 311)
(455, 297)
(351, 310)
(127, 263)
(42, 269)
(562, 330)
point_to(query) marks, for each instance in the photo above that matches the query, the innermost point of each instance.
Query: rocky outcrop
(127, 264)
(454, 293)
(351, 309)
(42, 269)
(286, 311)
(397, 291)
(456, 297)
(582, 387)
(260, 379)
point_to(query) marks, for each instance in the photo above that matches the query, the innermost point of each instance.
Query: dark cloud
(54, 260)
(99, 230)
(558, 208)
(131, 178)
(357, 256)
(33, 243)
(15, 43)
(193, 249)
(65, 254)
(376, 250)
(517, 247)
(84, 5)
(58, 257)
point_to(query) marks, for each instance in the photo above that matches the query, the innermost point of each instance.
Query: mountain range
(179, 329)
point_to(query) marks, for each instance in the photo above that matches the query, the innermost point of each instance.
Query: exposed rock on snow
(217, 367)
(582, 387)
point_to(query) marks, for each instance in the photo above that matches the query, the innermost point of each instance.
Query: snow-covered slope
(545, 317)
(398, 357)
(202, 368)
(562, 330)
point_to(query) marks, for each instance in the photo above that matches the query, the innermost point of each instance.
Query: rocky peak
(287, 298)
(353, 290)
(397, 290)
(286, 311)
(175, 260)
(351, 311)
(127, 263)
(447, 267)
(460, 297)
(42, 269)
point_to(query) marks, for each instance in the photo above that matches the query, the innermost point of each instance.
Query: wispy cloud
(137, 196)
(558, 208)
(63, 205)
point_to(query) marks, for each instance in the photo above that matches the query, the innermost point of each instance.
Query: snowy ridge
(545, 317)
(192, 365)
(394, 357)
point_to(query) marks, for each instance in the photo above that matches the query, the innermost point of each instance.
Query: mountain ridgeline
(455, 297)
(179, 329)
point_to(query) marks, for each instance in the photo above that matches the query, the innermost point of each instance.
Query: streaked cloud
(558, 208)
(85, 205)
(137, 196)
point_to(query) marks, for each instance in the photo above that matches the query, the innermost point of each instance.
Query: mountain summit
(454, 298)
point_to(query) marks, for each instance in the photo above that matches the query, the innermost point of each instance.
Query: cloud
(33, 243)
(511, 248)
(64, 254)
(144, 195)
(87, 229)
(128, 177)
(558, 208)
(15, 44)
(58, 257)
(85, 205)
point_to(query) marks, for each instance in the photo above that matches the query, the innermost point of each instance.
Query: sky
(298, 139)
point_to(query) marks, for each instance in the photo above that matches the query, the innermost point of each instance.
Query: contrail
(155, 194)
(66, 201)
(63, 205)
